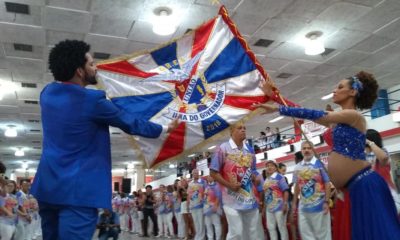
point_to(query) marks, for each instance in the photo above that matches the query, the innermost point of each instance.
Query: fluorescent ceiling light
(314, 47)
(212, 147)
(276, 119)
(24, 165)
(164, 24)
(11, 131)
(19, 153)
(171, 165)
(314, 44)
(326, 97)
(192, 155)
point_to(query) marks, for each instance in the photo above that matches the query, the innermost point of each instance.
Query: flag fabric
(208, 79)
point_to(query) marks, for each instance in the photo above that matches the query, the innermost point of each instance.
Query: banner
(208, 79)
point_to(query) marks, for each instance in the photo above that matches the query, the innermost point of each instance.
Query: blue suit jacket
(75, 167)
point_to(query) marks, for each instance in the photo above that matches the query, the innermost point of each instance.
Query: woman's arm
(346, 116)
(380, 154)
(7, 212)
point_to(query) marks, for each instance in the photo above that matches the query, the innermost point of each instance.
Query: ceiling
(362, 34)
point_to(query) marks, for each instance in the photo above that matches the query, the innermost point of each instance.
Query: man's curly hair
(66, 57)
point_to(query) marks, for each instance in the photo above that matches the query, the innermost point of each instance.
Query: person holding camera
(108, 224)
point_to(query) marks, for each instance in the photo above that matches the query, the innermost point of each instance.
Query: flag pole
(224, 13)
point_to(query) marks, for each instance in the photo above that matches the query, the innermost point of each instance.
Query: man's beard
(90, 79)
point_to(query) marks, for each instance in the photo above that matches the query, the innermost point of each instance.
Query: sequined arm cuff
(304, 113)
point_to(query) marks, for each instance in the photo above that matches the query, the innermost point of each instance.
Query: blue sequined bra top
(347, 140)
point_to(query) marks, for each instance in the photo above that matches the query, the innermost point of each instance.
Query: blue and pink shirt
(212, 199)
(236, 165)
(169, 202)
(160, 204)
(274, 187)
(177, 203)
(10, 202)
(311, 178)
(196, 193)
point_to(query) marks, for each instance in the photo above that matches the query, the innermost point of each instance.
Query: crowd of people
(194, 208)
(268, 139)
(19, 212)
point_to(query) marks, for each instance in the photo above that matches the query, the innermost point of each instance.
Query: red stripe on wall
(390, 133)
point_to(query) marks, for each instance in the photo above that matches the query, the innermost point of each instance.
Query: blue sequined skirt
(373, 212)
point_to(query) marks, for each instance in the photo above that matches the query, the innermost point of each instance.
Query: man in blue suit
(73, 179)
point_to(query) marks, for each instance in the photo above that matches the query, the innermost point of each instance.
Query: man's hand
(173, 125)
(255, 180)
(235, 186)
(285, 207)
(326, 207)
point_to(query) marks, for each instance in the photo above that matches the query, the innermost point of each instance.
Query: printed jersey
(274, 187)
(311, 178)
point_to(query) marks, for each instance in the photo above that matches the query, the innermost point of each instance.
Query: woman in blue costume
(373, 212)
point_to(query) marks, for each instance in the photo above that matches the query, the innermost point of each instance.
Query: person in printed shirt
(212, 209)
(379, 158)
(258, 191)
(168, 213)
(160, 211)
(134, 213)
(233, 166)
(24, 219)
(122, 212)
(116, 200)
(313, 185)
(35, 227)
(195, 203)
(140, 204)
(8, 212)
(177, 200)
(275, 202)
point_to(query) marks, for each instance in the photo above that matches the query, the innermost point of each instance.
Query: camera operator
(109, 225)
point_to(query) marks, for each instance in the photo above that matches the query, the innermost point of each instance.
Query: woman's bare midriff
(341, 168)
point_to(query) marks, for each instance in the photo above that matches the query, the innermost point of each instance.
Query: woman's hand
(235, 186)
(269, 108)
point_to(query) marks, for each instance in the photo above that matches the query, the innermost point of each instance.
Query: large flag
(208, 79)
